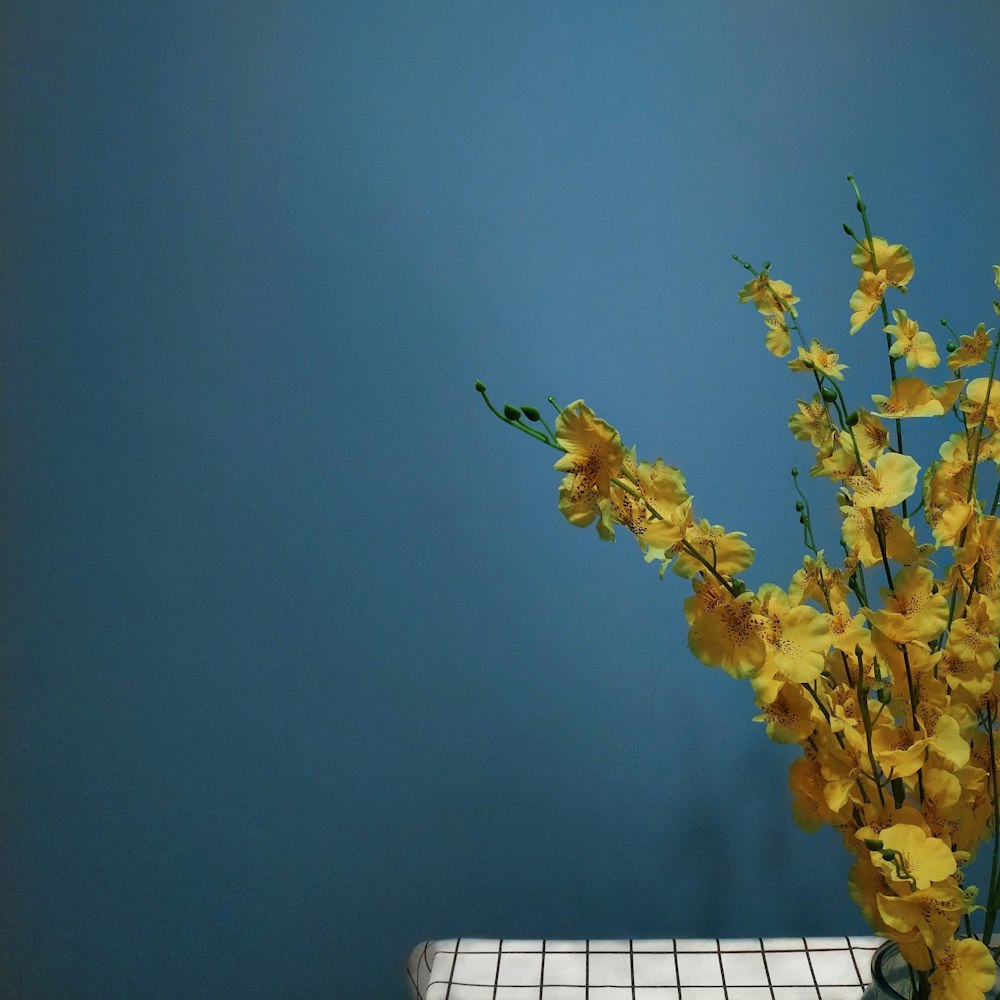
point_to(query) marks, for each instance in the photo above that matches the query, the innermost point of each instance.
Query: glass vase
(892, 978)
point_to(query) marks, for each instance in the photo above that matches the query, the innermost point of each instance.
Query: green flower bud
(511, 412)
(829, 394)
(480, 387)
(795, 472)
(951, 346)
(872, 844)
(800, 506)
(853, 418)
(531, 413)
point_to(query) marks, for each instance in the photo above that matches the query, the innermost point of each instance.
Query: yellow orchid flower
(900, 751)
(870, 434)
(974, 635)
(817, 580)
(594, 451)
(769, 295)
(893, 258)
(788, 716)
(966, 970)
(797, 636)
(916, 346)
(778, 340)
(819, 359)
(934, 912)
(913, 397)
(924, 859)
(725, 551)
(585, 508)
(725, 631)
(972, 349)
(812, 423)
(867, 298)
(846, 630)
(889, 482)
(809, 808)
(974, 405)
(914, 611)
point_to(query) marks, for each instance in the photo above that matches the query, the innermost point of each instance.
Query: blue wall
(301, 666)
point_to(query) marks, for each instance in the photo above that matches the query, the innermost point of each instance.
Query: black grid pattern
(834, 968)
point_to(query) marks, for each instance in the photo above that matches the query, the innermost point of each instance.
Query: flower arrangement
(881, 666)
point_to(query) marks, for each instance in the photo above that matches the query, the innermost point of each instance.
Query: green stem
(863, 211)
(991, 899)
(530, 431)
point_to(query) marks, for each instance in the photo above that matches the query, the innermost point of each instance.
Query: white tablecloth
(835, 968)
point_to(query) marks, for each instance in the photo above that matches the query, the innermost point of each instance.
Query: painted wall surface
(301, 664)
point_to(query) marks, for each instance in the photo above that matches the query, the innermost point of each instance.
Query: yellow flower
(726, 551)
(870, 434)
(585, 508)
(973, 637)
(892, 479)
(770, 296)
(893, 258)
(974, 403)
(809, 808)
(972, 350)
(818, 581)
(868, 297)
(594, 451)
(653, 505)
(820, 359)
(965, 970)
(846, 630)
(778, 340)
(725, 630)
(812, 423)
(912, 343)
(914, 611)
(797, 636)
(788, 716)
(662, 490)
(859, 534)
(913, 397)
(934, 913)
(925, 859)
(899, 750)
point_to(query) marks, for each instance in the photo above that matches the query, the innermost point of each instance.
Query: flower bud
(480, 387)
(795, 472)
(951, 346)
(531, 413)
(800, 506)
(829, 394)
(872, 844)
(853, 418)
(511, 412)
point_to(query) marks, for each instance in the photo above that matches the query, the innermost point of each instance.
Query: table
(826, 968)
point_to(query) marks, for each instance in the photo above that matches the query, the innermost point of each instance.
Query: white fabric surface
(835, 968)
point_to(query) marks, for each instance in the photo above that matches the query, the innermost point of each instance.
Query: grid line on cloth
(831, 968)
